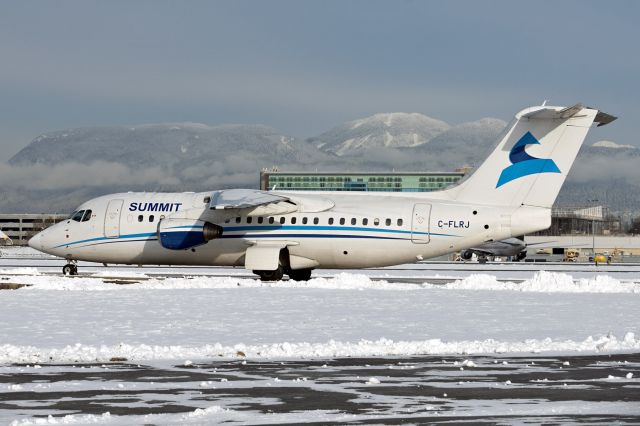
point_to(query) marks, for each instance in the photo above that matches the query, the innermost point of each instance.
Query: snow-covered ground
(66, 319)
(157, 315)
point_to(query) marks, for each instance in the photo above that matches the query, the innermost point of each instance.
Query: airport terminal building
(365, 181)
(21, 227)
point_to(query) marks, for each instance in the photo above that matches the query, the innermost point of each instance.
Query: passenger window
(260, 219)
(78, 216)
(283, 220)
(87, 216)
(399, 222)
(353, 221)
(271, 220)
(293, 220)
(304, 220)
(330, 221)
(316, 220)
(376, 221)
(249, 219)
(207, 200)
(387, 222)
(227, 220)
(342, 221)
(238, 219)
(151, 218)
(365, 221)
(140, 218)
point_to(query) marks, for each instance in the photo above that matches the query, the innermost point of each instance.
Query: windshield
(77, 216)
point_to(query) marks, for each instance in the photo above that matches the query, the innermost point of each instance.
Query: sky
(306, 66)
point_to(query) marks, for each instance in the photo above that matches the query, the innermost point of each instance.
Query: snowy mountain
(390, 130)
(58, 170)
(180, 145)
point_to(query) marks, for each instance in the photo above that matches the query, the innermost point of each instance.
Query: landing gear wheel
(300, 274)
(271, 275)
(70, 269)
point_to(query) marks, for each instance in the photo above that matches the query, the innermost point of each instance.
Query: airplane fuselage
(358, 231)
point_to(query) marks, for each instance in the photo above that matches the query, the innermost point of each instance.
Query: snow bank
(548, 282)
(542, 281)
(330, 349)
(101, 282)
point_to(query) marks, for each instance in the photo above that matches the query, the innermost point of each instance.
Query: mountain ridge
(180, 156)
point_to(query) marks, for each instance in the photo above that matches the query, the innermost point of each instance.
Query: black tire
(300, 274)
(271, 275)
(68, 269)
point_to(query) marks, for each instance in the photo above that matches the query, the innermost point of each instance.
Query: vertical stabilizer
(533, 158)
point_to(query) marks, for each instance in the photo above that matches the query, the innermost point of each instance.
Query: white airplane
(514, 248)
(275, 233)
(511, 247)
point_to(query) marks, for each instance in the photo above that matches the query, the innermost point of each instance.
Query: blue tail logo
(523, 164)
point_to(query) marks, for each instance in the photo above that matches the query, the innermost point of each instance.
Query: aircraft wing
(242, 199)
(262, 203)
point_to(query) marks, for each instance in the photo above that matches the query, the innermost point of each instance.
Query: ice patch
(19, 271)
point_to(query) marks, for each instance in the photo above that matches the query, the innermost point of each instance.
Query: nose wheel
(70, 269)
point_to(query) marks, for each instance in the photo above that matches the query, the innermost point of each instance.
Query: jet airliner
(277, 232)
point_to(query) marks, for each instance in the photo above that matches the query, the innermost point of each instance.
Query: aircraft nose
(35, 242)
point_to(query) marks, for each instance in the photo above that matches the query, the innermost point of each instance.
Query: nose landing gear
(70, 269)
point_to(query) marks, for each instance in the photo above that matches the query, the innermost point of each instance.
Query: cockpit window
(87, 216)
(77, 216)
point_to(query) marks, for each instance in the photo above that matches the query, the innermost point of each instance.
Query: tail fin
(532, 160)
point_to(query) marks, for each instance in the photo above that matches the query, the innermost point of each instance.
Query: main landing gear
(284, 268)
(70, 268)
(296, 275)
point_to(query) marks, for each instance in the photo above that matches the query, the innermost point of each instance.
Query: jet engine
(182, 234)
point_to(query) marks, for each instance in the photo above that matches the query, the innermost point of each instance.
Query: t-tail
(533, 158)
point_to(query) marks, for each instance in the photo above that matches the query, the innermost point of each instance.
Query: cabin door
(420, 223)
(112, 219)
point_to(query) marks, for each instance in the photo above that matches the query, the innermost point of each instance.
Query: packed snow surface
(137, 317)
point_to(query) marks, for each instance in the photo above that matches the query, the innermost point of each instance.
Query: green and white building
(383, 182)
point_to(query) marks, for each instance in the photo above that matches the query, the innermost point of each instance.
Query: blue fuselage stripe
(245, 234)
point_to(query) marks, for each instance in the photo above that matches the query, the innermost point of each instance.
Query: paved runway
(574, 389)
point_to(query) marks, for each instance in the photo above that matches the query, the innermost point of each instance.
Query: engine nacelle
(182, 234)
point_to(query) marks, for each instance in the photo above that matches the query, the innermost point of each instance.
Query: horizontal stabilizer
(603, 118)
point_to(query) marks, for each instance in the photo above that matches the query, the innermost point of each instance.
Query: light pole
(593, 229)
